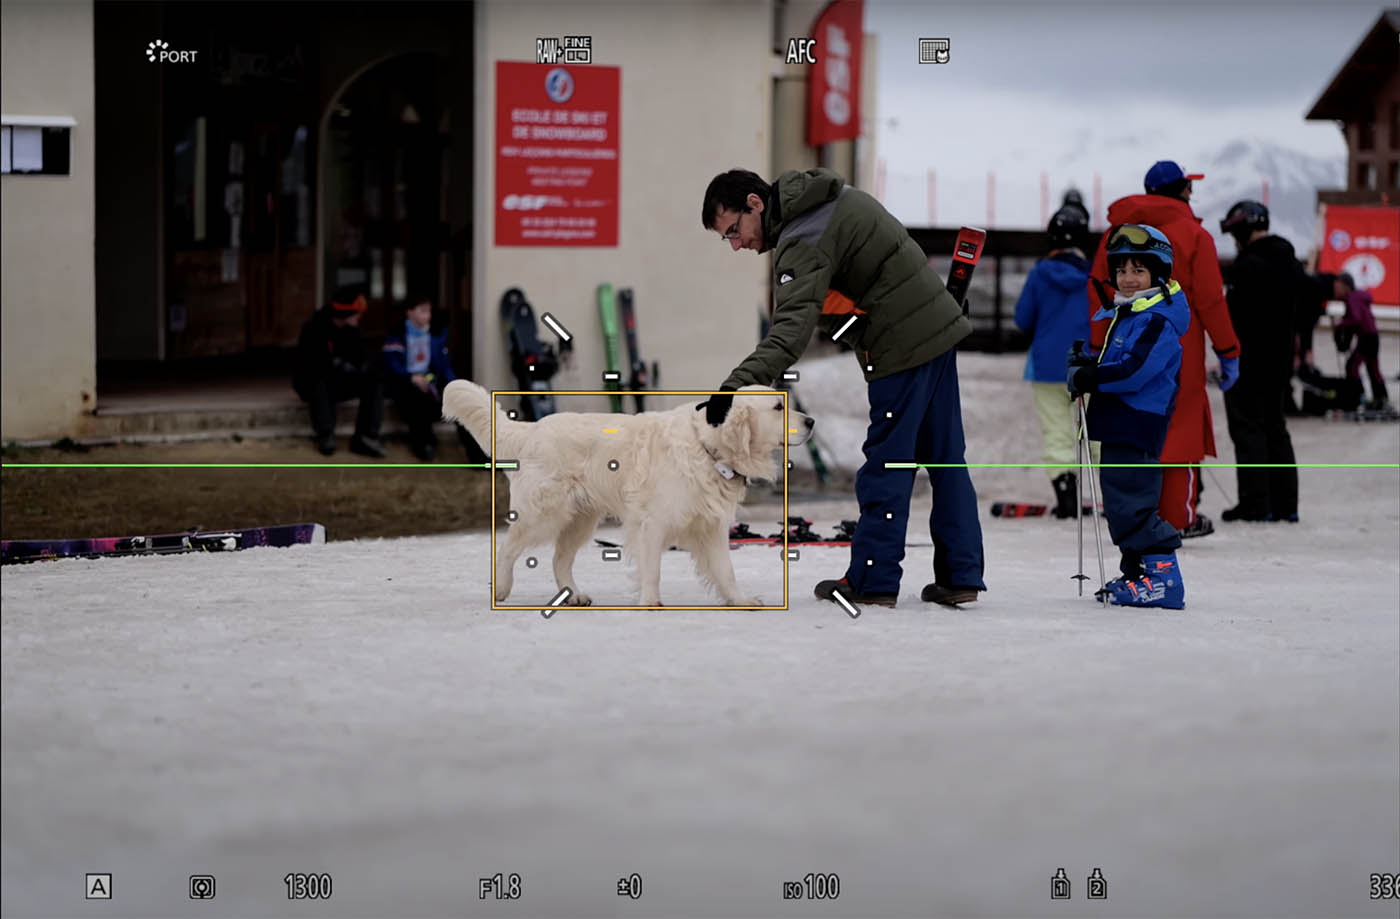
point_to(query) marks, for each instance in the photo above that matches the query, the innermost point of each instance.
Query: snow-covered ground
(358, 709)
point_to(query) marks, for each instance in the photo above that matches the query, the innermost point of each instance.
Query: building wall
(695, 101)
(47, 226)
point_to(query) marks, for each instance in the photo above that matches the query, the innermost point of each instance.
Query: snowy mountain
(1234, 168)
(1238, 170)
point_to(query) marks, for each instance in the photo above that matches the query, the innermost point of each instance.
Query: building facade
(1364, 99)
(231, 165)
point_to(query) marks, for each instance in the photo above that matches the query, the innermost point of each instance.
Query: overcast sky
(1079, 88)
(1219, 54)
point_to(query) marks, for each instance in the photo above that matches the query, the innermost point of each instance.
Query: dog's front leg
(645, 544)
(714, 564)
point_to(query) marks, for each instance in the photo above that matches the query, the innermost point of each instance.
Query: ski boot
(1160, 585)
(827, 590)
(948, 596)
(1201, 526)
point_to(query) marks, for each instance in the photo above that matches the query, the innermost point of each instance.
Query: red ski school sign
(557, 145)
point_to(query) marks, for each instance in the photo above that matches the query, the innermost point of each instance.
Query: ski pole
(1081, 577)
(1093, 492)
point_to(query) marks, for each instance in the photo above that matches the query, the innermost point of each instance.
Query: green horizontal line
(1072, 465)
(250, 466)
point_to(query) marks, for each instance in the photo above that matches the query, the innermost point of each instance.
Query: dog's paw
(748, 602)
(578, 598)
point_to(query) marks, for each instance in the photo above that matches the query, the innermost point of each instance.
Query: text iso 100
(308, 886)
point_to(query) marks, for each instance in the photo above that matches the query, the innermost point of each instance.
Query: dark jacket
(1054, 309)
(439, 363)
(325, 350)
(1136, 377)
(839, 254)
(1359, 318)
(1264, 288)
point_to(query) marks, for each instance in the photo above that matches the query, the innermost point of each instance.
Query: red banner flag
(1364, 242)
(833, 83)
(557, 143)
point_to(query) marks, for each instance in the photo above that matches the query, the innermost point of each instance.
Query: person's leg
(1283, 480)
(417, 408)
(1246, 405)
(370, 416)
(897, 407)
(953, 523)
(1369, 347)
(321, 406)
(1179, 485)
(1057, 414)
(1131, 494)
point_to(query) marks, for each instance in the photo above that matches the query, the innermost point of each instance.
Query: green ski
(607, 311)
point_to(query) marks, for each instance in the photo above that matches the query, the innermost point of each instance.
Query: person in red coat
(1190, 434)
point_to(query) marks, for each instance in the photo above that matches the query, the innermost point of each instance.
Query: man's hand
(420, 381)
(717, 408)
(1229, 372)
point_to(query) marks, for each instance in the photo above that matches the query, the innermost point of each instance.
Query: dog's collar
(724, 469)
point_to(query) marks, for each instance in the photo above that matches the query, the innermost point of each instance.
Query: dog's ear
(742, 441)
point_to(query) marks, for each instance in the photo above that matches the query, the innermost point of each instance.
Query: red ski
(967, 251)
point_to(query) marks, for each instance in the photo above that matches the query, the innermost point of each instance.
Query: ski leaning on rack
(640, 379)
(967, 252)
(13, 551)
(533, 362)
(607, 313)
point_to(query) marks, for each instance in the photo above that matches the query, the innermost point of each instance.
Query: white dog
(670, 477)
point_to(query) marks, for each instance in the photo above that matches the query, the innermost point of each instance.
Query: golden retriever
(670, 477)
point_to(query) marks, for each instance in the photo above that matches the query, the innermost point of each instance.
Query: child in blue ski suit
(1134, 381)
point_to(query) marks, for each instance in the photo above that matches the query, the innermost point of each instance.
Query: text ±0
(308, 886)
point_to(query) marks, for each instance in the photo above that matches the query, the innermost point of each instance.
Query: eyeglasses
(733, 231)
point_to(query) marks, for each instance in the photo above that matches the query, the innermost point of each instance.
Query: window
(36, 145)
(1366, 176)
(1366, 135)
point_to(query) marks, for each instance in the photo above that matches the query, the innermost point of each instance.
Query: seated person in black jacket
(332, 365)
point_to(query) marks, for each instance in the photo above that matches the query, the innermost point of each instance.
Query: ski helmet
(1144, 243)
(1244, 217)
(1067, 226)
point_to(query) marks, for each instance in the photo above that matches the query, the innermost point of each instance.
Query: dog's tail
(465, 401)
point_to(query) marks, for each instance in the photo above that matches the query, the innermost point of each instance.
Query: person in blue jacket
(1054, 309)
(418, 367)
(1135, 379)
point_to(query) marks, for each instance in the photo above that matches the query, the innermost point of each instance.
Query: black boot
(1066, 496)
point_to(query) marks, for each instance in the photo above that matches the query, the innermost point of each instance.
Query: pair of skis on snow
(13, 551)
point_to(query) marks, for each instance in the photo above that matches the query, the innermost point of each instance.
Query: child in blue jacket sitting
(1134, 381)
(417, 368)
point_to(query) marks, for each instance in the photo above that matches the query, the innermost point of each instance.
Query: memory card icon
(934, 50)
(1098, 886)
(1059, 885)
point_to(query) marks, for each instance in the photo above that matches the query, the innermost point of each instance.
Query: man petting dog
(841, 256)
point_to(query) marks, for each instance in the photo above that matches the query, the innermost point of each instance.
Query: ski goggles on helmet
(1131, 236)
